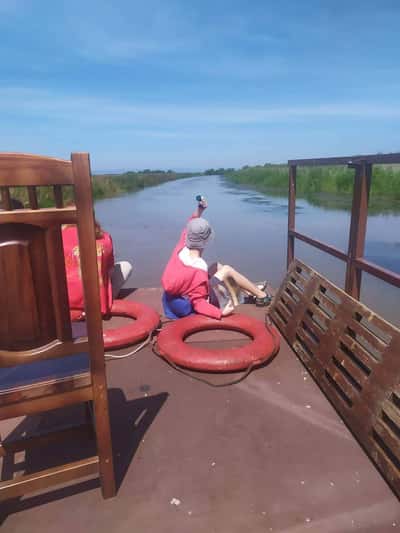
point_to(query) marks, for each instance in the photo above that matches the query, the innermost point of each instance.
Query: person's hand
(203, 203)
(228, 309)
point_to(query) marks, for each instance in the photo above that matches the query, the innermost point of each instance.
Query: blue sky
(198, 84)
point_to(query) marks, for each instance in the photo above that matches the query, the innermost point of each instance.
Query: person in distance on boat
(190, 286)
(112, 276)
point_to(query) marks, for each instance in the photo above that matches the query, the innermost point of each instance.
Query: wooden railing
(354, 258)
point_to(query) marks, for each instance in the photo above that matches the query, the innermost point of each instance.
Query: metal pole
(358, 227)
(291, 213)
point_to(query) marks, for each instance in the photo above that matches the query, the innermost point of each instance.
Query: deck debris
(175, 501)
(308, 520)
(213, 463)
(308, 406)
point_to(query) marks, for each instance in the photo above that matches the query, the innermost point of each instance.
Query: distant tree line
(335, 179)
(105, 185)
(315, 182)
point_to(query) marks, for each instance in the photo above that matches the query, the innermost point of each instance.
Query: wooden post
(87, 240)
(358, 227)
(291, 213)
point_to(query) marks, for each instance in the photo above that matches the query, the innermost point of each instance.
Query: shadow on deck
(268, 454)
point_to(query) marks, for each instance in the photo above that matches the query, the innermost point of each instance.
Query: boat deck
(267, 454)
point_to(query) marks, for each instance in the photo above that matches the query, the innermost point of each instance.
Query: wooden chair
(42, 367)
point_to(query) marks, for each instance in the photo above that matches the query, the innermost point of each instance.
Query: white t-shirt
(188, 260)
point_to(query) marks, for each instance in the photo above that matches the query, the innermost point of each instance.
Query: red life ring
(264, 344)
(145, 320)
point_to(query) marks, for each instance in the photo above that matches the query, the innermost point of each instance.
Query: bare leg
(226, 271)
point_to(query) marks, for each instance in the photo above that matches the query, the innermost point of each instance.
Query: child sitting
(187, 280)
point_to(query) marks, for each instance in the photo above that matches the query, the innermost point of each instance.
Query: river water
(250, 234)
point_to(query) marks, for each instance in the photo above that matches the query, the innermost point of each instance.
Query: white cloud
(88, 110)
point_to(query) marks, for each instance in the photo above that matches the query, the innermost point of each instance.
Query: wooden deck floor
(268, 454)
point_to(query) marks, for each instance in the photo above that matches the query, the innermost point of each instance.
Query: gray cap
(198, 232)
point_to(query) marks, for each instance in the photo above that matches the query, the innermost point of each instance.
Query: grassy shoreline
(329, 187)
(105, 186)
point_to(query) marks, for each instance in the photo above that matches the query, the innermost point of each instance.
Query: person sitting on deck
(190, 286)
(112, 276)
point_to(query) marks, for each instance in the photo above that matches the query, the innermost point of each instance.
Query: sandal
(262, 285)
(263, 302)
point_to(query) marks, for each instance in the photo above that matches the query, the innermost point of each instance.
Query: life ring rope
(179, 336)
(198, 378)
(248, 370)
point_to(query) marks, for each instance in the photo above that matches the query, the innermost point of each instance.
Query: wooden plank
(295, 289)
(287, 302)
(303, 272)
(355, 381)
(311, 325)
(33, 200)
(46, 478)
(326, 304)
(341, 382)
(298, 280)
(58, 196)
(277, 320)
(391, 440)
(23, 401)
(6, 198)
(374, 341)
(283, 310)
(52, 350)
(301, 347)
(306, 340)
(382, 159)
(289, 294)
(40, 217)
(38, 441)
(392, 412)
(26, 169)
(354, 371)
(362, 355)
(379, 327)
(322, 316)
(58, 279)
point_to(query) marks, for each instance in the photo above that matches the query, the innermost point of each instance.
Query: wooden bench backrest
(34, 311)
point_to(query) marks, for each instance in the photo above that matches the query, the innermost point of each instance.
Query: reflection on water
(251, 233)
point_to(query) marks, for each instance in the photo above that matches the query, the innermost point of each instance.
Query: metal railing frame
(355, 261)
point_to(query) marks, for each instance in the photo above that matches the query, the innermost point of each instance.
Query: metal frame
(354, 258)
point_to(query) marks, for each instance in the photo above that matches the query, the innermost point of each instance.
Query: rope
(133, 352)
(268, 325)
(181, 370)
(140, 347)
(203, 380)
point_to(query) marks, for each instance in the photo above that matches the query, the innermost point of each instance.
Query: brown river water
(250, 234)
